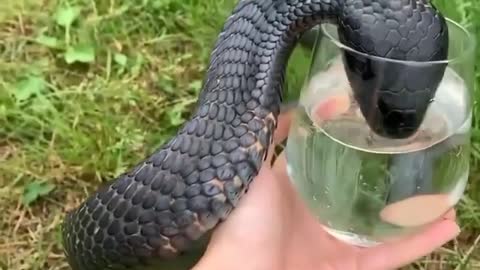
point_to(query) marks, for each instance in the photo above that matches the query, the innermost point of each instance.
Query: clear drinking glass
(366, 189)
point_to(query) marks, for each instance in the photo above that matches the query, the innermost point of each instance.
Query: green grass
(88, 88)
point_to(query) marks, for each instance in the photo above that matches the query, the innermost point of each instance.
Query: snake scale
(164, 205)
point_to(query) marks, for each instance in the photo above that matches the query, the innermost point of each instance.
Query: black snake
(164, 206)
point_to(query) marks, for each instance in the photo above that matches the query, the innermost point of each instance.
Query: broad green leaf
(120, 59)
(48, 41)
(83, 53)
(28, 87)
(35, 190)
(65, 16)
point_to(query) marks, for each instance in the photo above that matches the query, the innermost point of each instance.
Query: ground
(88, 88)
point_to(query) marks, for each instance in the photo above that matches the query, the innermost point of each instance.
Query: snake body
(183, 190)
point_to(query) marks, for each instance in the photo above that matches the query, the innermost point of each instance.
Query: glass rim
(471, 43)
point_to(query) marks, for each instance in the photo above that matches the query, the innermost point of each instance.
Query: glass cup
(364, 188)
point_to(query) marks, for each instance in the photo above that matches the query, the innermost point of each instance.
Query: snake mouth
(397, 125)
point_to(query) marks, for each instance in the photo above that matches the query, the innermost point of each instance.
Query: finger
(451, 215)
(397, 254)
(279, 169)
(290, 194)
(281, 132)
(284, 121)
(280, 166)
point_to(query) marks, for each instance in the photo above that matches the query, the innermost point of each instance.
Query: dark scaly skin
(394, 97)
(173, 198)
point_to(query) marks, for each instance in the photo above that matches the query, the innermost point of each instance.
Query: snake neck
(244, 81)
(252, 51)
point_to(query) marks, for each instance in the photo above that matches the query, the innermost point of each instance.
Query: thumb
(397, 254)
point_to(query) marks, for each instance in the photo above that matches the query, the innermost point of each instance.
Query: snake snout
(396, 123)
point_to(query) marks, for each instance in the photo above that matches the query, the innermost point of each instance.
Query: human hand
(271, 229)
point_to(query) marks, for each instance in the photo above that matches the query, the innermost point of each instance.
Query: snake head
(389, 40)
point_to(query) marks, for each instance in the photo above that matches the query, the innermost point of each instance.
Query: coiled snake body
(163, 206)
